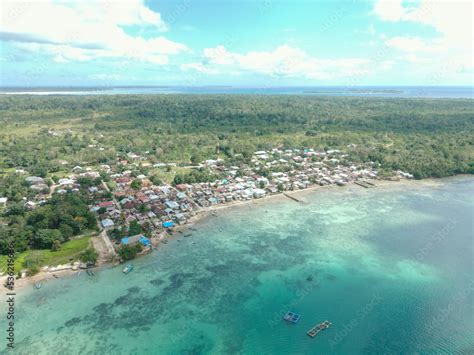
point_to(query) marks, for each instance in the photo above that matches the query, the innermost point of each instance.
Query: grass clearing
(69, 250)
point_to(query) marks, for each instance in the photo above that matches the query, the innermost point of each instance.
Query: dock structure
(318, 327)
(362, 183)
(369, 183)
(292, 198)
(292, 317)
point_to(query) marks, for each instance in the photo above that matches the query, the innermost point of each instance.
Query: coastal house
(168, 224)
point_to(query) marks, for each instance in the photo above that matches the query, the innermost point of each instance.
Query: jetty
(292, 198)
(318, 327)
(369, 183)
(363, 184)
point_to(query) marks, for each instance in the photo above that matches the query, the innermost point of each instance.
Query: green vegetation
(89, 256)
(37, 258)
(128, 252)
(427, 137)
(48, 225)
(47, 136)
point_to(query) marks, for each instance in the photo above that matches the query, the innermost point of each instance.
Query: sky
(264, 43)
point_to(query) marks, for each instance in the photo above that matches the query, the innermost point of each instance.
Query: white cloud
(452, 20)
(414, 44)
(202, 68)
(88, 29)
(445, 55)
(284, 61)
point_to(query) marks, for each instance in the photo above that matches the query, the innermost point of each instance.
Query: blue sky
(241, 43)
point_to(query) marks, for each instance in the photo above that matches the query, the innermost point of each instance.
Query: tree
(156, 180)
(89, 256)
(136, 184)
(128, 252)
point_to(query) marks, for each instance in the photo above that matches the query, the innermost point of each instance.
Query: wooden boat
(187, 235)
(127, 269)
(38, 285)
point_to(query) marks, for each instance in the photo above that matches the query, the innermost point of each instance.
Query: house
(107, 223)
(172, 204)
(181, 195)
(30, 205)
(258, 193)
(108, 205)
(65, 182)
(134, 239)
(34, 180)
(168, 224)
(180, 217)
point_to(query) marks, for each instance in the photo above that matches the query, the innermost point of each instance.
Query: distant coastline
(446, 92)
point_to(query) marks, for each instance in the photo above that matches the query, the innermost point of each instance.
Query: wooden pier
(292, 198)
(362, 183)
(369, 183)
(318, 327)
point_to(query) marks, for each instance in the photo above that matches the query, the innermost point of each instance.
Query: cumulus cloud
(451, 21)
(283, 61)
(87, 30)
(447, 53)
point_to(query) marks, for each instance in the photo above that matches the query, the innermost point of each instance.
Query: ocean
(451, 92)
(391, 267)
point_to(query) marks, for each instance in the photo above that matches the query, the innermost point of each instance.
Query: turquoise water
(391, 268)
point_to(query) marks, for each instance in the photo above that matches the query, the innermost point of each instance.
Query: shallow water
(391, 268)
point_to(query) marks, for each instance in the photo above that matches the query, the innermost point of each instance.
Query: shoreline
(204, 213)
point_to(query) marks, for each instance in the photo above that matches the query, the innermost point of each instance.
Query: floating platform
(318, 327)
(292, 317)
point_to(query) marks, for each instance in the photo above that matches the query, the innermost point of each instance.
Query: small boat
(164, 241)
(188, 235)
(38, 285)
(55, 276)
(127, 268)
(90, 273)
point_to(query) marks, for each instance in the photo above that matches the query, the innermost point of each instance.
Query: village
(132, 211)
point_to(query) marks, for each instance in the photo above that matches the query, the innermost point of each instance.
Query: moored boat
(127, 268)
